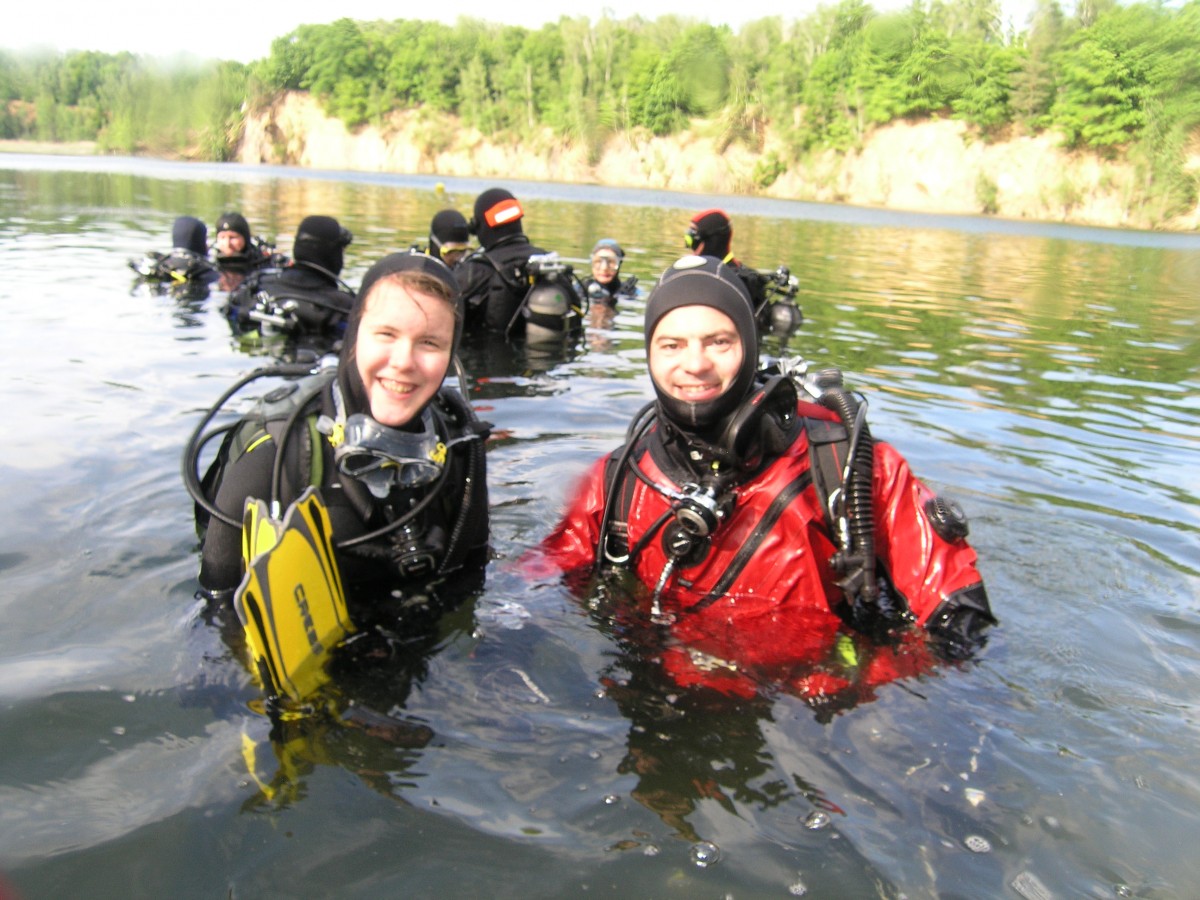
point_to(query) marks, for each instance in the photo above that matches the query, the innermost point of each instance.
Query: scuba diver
(605, 285)
(186, 262)
(762, 522)
(510, 286)
(449, 237)
(396, 458)
(710, 233)
(237, 250)
(304, 299)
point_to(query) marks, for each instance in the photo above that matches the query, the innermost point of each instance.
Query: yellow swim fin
(260, 532)
(291, 601)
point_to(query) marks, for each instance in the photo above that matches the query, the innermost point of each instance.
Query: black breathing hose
(641, 422)
(191, 452)
(284, 435)
(857, 560)
(475, 465)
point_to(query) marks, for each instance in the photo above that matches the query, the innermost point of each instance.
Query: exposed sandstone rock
(932, 166)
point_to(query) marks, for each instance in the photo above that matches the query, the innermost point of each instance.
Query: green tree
(1033, 84)
(774, 54)
(1099, 100)
(985, 98)
(286, 68)
(219, 106)
(658, 99)
(342, 70)
(1106, 75)
(848, 82)
(972, 20)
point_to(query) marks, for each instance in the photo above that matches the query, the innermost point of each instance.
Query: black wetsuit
(494, 282)
(450, 533)
(320, 308)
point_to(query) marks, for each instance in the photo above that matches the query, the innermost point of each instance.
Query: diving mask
(382, 457)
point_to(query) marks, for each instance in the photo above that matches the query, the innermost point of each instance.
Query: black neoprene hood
(705, 281)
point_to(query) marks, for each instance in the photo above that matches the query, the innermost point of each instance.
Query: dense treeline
(125, 103)
(1112, 79)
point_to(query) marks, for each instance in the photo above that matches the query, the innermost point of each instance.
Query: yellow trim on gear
(258, 442)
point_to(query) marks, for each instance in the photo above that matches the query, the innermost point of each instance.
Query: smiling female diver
(397, 457)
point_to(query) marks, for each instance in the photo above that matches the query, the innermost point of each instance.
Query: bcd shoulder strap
(620, 478)
(515, 277)
(828, 446)
(265, 423)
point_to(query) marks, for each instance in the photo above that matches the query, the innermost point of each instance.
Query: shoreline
(935, 166)
(49, 148)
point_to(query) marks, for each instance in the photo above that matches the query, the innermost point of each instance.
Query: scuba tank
(177, 266)
(269, 302)
(780, 313)
(554, 305)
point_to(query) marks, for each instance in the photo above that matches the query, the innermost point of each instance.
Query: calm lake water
(1047, 377)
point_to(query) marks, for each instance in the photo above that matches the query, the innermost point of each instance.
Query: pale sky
(244, 30)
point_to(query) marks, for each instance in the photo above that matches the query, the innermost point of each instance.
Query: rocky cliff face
(934, 166)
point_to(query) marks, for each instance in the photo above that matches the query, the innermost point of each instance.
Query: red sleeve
(572, 543)
(924, 567)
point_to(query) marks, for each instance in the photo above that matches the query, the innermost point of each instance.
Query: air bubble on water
(1123, 891)
(610, 799)
(978, 844)
(118, 729)
(129, 698)
(651, 850)
(705, 854)
(798, 888)
(816, 820)
(593, 754)
(507, 614)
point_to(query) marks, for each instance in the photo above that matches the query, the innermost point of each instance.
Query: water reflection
(357, 720)
(697, 709)
(190, 298)
(1045, 377)
(504, 368)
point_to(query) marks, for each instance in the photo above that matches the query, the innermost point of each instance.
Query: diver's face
(695, 353)
(605, 266)
(403, 350)
(230, 243)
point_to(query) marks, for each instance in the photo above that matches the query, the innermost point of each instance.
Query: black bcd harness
(828, 447)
